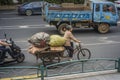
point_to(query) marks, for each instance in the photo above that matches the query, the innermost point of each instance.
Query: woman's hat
(68, 27)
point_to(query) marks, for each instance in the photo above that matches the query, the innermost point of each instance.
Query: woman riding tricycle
(52, 48)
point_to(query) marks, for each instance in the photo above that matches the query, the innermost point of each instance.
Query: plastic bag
(56, 41)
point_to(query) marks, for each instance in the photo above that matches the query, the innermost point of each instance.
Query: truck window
(108, 8)
(97, 8)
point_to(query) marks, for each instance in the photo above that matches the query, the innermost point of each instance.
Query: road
(20, 28)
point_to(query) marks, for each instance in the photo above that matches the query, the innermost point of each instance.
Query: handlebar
(9, 41)
(78, 45)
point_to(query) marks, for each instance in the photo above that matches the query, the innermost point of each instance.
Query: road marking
(10, 13)
(25, 26)
(103, 40)
(92, 44)
(118, 22)
(109, 42)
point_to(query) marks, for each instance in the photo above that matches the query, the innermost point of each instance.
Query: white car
(117, 3)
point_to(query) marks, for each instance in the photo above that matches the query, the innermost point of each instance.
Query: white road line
(109, 42)
(10, 13)
(92, 44)
(118, 22)
(42, 25)
(25, 26)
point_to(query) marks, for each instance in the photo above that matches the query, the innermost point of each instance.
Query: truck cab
(105, 14)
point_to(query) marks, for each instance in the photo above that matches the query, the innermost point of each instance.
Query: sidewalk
(8, 7)
(101, 75)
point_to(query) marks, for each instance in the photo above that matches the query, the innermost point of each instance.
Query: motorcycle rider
(4, 49)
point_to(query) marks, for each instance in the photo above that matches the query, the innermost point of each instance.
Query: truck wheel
(103, 28)
(61, 28)
(28, 12)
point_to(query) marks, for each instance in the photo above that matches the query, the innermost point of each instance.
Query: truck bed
(68, 15)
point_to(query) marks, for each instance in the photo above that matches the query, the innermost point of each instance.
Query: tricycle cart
(49, 56)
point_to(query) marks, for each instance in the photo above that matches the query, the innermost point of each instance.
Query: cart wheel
(49, 59)
(55, 58)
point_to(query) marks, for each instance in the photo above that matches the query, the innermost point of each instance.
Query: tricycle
(48, 56)
(51, 49)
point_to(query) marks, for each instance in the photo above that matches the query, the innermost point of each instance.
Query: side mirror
(5, 35)
(12, 42)
(10, 39)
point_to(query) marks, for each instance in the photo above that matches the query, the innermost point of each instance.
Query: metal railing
(80, 66)
(71, 67)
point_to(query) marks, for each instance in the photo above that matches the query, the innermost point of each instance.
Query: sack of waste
(56, 41)
(39, 39)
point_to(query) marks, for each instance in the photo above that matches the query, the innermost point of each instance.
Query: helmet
(68, 27)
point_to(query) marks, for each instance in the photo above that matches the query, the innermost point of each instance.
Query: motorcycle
(15, 51)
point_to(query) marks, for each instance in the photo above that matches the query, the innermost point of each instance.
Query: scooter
(16, 50)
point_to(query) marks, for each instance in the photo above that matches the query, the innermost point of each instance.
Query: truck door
(109, 14)
(96, 12)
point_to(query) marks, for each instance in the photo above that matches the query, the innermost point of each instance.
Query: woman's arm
(73, 38)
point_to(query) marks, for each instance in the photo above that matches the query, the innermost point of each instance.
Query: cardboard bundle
(57, 48)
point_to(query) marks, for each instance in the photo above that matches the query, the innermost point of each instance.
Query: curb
(64, 77)
(81, 75)
(30, 77)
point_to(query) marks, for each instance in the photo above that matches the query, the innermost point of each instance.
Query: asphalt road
(20, 28)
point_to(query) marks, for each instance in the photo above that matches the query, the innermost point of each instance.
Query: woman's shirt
(69, 36)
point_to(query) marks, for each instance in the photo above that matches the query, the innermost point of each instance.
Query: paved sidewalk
(115, 76)
(8, 7)
(101, 75)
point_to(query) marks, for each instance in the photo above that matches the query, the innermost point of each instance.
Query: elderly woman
(69, 37)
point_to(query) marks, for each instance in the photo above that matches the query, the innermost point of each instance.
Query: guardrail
(80, 66)
(72, 67)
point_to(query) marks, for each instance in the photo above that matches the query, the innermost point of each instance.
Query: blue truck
(99, 15)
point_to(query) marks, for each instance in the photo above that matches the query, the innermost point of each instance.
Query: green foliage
(6, 2)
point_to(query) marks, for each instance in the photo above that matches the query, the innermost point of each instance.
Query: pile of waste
(41, 40)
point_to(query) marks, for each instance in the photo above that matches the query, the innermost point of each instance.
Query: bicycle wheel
(84, 54)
